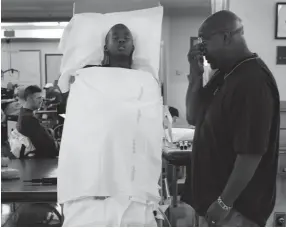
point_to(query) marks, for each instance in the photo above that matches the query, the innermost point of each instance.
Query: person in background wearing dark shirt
(29, 126)
(13, 109)
(232, 177)
(174, 113)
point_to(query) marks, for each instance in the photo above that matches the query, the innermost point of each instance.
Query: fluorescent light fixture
(37, 33)
(41, 24)
(39, 30)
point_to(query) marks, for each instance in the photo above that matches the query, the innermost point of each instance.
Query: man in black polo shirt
(29, 126)
(232, 177)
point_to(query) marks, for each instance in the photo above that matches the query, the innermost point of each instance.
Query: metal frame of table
(20, 192)
(170, 154)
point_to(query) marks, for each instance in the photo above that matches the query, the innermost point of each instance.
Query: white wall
(259, 21)
(47, 47)
(181, 28)
(165, 70)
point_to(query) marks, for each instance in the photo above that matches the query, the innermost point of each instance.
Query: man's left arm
(244, 169)
(252, 118)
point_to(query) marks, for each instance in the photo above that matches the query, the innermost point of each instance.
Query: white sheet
(112, 137)
(111, 212)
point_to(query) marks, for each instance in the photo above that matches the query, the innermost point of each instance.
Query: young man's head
(33, 97)
(119, 47)
(222, 39)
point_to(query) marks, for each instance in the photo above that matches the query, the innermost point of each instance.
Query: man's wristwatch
(223, 205)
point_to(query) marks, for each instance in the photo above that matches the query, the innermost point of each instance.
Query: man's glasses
(202, 41)
(202, 45)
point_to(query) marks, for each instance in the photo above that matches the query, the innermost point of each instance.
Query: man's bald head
(222, 21)
(222, 38)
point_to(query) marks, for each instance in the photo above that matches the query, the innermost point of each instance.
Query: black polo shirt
(242, 117)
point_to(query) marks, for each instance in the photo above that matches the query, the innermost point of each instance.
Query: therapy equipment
(83, 39)
(119, 152)
(182, 134)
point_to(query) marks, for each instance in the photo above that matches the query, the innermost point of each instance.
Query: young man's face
(119, 41)
(35, 100)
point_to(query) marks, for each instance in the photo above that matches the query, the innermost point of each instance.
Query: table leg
(174, 194)
(13, 207)
(175, 186)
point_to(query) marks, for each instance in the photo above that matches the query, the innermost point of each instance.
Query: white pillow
(83, 40)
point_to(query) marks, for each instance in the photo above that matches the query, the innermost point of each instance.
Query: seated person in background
(28, 125)
(53, 97)
(48, 87)
(13, 109)
(10, 89)
(174, 113)
(171, 115)
(7, 95)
